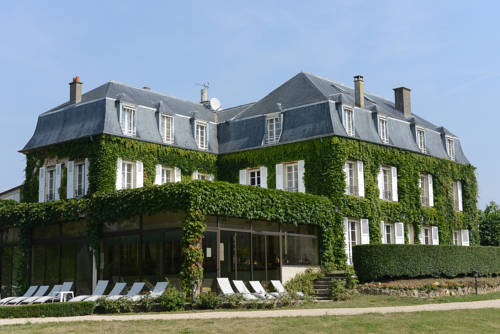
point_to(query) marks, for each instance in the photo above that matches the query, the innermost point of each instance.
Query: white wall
(289, 272)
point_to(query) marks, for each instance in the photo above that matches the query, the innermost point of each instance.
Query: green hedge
(381, 262)
(47, 310)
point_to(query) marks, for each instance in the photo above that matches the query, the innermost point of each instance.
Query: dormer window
(450, 148)
(201, 135)
(273, 129)
(348, 118)
(167, 128)
(421, 140)
(51, 184)
(127, 120)
(382, 129)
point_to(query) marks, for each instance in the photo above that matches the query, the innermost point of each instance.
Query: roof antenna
(204, 91)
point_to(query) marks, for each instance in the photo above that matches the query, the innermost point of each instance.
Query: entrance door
(353, 237)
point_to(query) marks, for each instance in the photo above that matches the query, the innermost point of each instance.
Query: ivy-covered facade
(343, 188)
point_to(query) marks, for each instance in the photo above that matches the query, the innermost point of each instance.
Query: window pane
(235, 223)
(45, 232)
(265, 226)
(130, 259)
(10, 235)
(52, 268)
(37, 265)
(173, 254)
(300, 250)
(273, 257)
(211, 221)
(7, 257)
(74, 229)
(111, 259)
(163, 220)
(68, 266)
(259, 257)
(151, 257)
(210, 260)
(83, 280)
(122, 225)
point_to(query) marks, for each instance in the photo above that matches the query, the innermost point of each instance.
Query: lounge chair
(55, 290)
(258, 288)
(117, 290)
(31, 290)
(227, 290)
(281, 289)
(134, 291)
(66, 286)
(242, 289)
(158, 290)
(39, 293)
(98, 291)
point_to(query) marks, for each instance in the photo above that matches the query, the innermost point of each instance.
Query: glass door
(235, 257)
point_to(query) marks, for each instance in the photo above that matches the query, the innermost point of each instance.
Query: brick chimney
(359, 91)
(75, 90)
(402, 100)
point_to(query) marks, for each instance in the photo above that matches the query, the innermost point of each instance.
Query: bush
(207, 301)
(171, 300)
(338, 291)
(47, 310)
(381, 262)
(121, 305)
(303, 282)
(351, 280)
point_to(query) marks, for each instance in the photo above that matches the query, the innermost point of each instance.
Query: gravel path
(495, 303)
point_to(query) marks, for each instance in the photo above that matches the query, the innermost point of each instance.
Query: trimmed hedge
(382, 262)
(47, 310)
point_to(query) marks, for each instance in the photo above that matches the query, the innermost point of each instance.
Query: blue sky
(447, 52)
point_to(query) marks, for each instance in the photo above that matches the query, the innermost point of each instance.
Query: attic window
(348, 119)
(450, 148)
(127, 120)
(382, 129)
(421, 140)
(201, 135)
(167, 128)
(273, 129)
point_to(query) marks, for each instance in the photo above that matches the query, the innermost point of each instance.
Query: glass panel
(37, 265)
(300, 250)
(151, 257)
(47, 231)
(259, 257)
(52, 268)
(122, 225)
(210, 260)
(273, 257)
(83, 280)
(7, 254)
(74, 229)
(111, 259)
(163, 220)
(211, 221)
(226, 257)
(10, 235)
(290, 228)
(235, 223)
(265, 226)
(68, 251)
(243, 254)
(173, 256)
(130, 259)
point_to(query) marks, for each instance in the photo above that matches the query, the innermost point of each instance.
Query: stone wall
(438, 292)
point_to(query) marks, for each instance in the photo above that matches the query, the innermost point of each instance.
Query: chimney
(146, 88)
(359, 91)
(402, 100)
(75, 90)
(204, 95)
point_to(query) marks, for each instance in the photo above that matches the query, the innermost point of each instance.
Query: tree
(489, 228)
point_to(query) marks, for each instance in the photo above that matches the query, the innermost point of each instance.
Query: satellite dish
(215, 104)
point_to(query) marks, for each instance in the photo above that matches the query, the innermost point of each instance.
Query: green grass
(461, 321)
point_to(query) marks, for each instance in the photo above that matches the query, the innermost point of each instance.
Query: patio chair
(117, 290)
(39, 293)
(242, 289)
(55, 290)
(98, 291)
(227, 290)
(258, 288)
(281, 289)
(134, 291)
(157, 291)
(31, 290)
(66, 286)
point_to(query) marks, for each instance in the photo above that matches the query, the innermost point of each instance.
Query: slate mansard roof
(311, 107)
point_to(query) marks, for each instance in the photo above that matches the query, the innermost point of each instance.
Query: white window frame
(204, 176)
(421, 139)
(274, 127)
(167, 128)
(427, 235)
(79, 192)
(450, 147)
(51, 184)
(164, 172)
(254, 174)
(392, 233)
(201, 141)
(128, 167)
(382, 129)
(387, 171)
(295, 174)
(457, 196)
(457, 238)
(424, 189)
(348, 118)
(357, 237)
(128, 125)
(351, 171)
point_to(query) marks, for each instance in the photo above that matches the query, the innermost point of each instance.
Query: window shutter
(139, 174)
(119, 163)
(380, 179)
(86, 176)
(421, 236)
(195, 175)
(346, 173)
(346, 241)
(343, 120)
(465, 237)
(435, 235)
(158, 174)
(41, 184)
(70, 186)
(431, 191)
(243, 176)
(279, 176)
(361, 179)
(122, 119)
(159, 127)
(58, 181)
(301, 170)
(382, 231)
(400, 233)
(263, 177)
(134, 122)
(365, 231)
(394, 172)
(177, 174)
(172, 138)
(459, 190)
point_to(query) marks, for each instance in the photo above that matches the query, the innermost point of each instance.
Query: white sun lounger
(258, 288)
(242, 289)
(66, 286)
(281, 289)
(227, 290)
(55, 290)
(134, 291)
(158, 290)
(31, 290)
(117, 290)
(39, 293)
(99, 290)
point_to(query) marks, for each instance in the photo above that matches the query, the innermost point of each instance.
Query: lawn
(461, 321)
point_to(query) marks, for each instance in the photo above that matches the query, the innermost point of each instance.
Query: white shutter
(70, 186)
(465, 237)
(435, 235)
(431, 191)
(394, 172)
(346, 172)
(346, 241)
(41, 184)
(421, 237)
(139, 174)
(86, 176)
(301, 169)
(380, 179)
(159, 128)
(361, 179)
(382, 231)
(365, 231)
(158, 173)
(195, 175)
(263, 177)
(177, 174)
(243, 176)
(119, 181)
(122, 119)
(279, 176)
(399, 233)
(459, 190)
(134, 122)
(58, 181)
